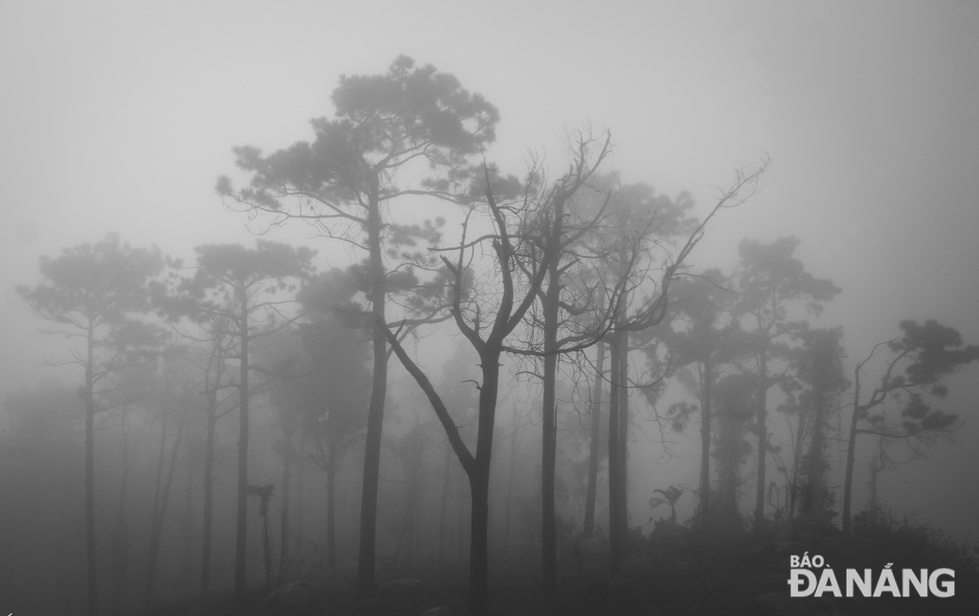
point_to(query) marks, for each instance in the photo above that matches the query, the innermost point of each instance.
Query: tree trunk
(284, 531)
(851, 454)
(479, 543)
(461, 522)
(706, 401)
(726, 475)
(415, 489)
(375, 412)
(91, 561)
(876, 466)
(550, 311)
(761, 431)
(185, 555)
(300, 501)
(616, 540)
(266, 538)
(796, 474)
(331, 503)
(509, 486)
(446, 477)
(406, 534)
(241, 530)
(156, 532)
(479, 484)
(814, 475)
(593, 443)
(728, 453)
(622, 459)
(208, 489)
(120, 544)
(155, 513)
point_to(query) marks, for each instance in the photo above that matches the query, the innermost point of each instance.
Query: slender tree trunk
(208, 490)
(761, 431)
(446, 477)
(185, 557)
(851, 453)
(406, 536)
(727, 450)
(509, 485)
(461, 522)
(156, 532)
(622, 459)
(616, 540)
(64, 578)
(795, 477)
(406, 531)
(706, 401)
(91, 561)
(120, 542)
(331, 502)
(241, 529)
(593, 444)
(156, 514)
(550, 310)
(375, 412)
(618, 439)
(412, 501)
(300, 501)
(876, 466)
(266, 537)
(284, 531)
(815, 479)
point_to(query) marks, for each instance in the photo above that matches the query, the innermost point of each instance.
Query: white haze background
(118, 116)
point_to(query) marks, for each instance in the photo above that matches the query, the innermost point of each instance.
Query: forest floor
(676, 575)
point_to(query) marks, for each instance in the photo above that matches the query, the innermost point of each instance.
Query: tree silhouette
(771, 280)
(93, 291)
(660, 222)
(238, 286)
(330, 397)
(733, 400)
(670, 496)
(486, 320)
(570, 316)
(818, 381)
(919, 362)
(385, 125)
(702, 336)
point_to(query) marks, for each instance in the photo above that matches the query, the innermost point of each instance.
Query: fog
(118, 117)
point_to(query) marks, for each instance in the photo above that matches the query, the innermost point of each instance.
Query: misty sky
(120, 115)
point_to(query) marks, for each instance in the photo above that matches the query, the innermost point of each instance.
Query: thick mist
(148, 156)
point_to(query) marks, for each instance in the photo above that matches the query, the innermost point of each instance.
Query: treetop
(102, 280)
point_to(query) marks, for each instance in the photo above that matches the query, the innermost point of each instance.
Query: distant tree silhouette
(334, 388)
(237, 287)
(654, 221)
(733, 400)
(813, 392)
(670, 496)
(920, 359)
(703, 337)
(94, 292)
(771, 279)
